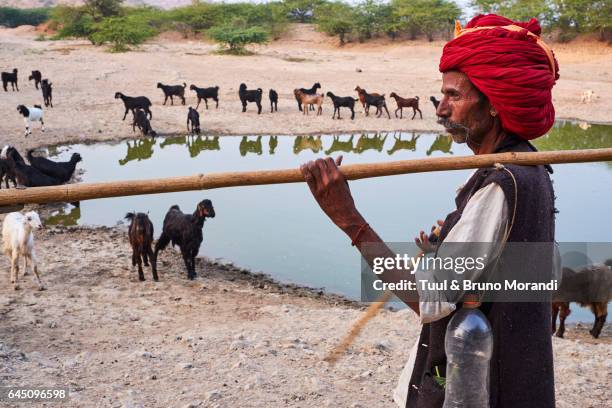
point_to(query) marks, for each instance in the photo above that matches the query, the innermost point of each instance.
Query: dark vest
(521, 370)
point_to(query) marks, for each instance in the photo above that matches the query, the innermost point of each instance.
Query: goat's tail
(184, 85)
(259, 90)
(416, 97)
(29, 154)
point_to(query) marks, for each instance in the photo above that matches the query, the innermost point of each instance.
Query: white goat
(19, 241)
(31, 114)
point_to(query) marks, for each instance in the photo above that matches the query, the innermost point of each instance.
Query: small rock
(186, 366)
(213, 395)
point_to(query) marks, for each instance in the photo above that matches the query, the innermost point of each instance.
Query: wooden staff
(88, 191)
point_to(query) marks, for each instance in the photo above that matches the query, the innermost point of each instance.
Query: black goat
(9, 77)
(342, 102)
(308, 91)
(185, 230)
(140, 235)
(134, 102)
(143, 123)
(250, 96)
(47, 92)
(435, 102)
(36, 76)
(61, 171)
(205, 93)
(25, 175)
(7, 173)
(193, 118)
(378, 101)
(273, 95)
(170, 91)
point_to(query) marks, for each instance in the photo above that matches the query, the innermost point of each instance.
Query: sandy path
(227, 338)
(85, 79)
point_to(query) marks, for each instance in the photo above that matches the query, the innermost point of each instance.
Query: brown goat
(406, 103)
(361, 92)
(140, 234)
(309, 100)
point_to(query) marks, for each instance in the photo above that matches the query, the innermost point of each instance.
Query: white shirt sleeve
(484, 220)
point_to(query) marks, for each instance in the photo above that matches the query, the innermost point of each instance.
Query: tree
(426, 16)
(369, 18)
(100, 9)
(301, 10)
(335, 19)
(121, 32)
(236, 36)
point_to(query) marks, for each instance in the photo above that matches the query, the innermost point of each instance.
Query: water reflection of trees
(365, 142)
(403, 144)
(568, 136)
(312, 143)
(250, 146)
(65, 218)
(139, 149)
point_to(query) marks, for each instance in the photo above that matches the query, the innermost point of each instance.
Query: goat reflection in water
(250, 146)
(403, 144)
(312, 143)
(377, 142)
(340, 146)
(443, 143)
(140, 149)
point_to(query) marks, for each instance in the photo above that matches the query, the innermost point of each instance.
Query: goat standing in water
(140, 234)
(185, 230)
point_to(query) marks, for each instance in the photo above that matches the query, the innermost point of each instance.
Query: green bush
(72, 22)
(335, 19)
(236, 37)
(13, 17)
(121, 32)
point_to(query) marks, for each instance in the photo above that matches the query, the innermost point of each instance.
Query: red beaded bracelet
(359, 231)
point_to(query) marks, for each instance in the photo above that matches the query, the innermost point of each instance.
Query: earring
(493, 113)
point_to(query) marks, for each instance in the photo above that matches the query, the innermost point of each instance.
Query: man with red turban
(496, 85)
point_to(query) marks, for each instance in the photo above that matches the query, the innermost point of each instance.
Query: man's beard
(459, 137)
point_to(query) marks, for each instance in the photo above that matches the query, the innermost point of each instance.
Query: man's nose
(443, 109)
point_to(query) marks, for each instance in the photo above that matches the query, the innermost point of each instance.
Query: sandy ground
(230, 338)
(227, 339)
(85, 79)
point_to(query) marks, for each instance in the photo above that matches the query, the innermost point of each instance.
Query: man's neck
(489, 143)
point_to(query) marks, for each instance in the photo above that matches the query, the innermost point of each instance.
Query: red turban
(507, 61)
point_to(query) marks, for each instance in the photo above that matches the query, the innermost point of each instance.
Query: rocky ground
(229, 338)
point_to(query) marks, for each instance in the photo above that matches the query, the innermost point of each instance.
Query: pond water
(281, 231)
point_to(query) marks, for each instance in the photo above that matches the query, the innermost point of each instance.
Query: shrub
(335, 19)
(121, 32)
(13, 17)
(236, 37)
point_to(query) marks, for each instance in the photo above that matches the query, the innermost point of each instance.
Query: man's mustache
(448, 124)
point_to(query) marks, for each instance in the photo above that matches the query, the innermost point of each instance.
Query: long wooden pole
(87, 191)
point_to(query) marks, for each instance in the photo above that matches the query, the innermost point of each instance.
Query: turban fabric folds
(511, 66)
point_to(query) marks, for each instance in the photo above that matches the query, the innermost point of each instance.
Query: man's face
(463, 111)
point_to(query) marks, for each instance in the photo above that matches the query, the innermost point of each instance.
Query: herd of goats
(185, 230)
(308, 99)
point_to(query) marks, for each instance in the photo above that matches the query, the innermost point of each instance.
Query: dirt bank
(223, 339)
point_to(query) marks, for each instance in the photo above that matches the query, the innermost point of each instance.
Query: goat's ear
(129, 216)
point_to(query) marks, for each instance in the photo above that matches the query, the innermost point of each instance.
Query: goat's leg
(25, 265)
(258, 107)
(420, 113)
(149, 253)
(165, 99)
(217, 102)
(600, 309)
(198, 105)
(187, 260)
(34, 266)
(244, 105)
(563, 313)
(42, 125)
(125, 114)
(352, 113)
(15, 270)
(17, 86)
(183, 98)
(140, 272)
(206, 103)
(385, 106)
